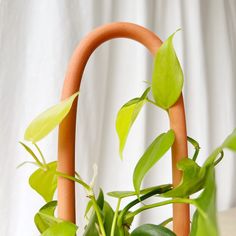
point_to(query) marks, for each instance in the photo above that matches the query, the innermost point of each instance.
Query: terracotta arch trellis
(66, 143)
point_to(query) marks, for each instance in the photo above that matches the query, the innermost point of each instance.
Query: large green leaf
(123, 194)
(153, 154)
(61, 229)
(167, 78)
(44, 181)
(48, 120)
(45, 217)
(230, 141)
(152, 230)
(204, 219)
(192, 180)
(126, 117)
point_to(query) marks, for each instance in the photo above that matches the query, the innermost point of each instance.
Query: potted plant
(164, 92)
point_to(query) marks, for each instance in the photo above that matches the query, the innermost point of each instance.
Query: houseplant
(166, 87)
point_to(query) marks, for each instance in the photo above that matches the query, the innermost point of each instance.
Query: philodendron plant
(102, 220)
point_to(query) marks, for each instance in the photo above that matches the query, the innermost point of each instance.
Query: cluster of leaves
(166, 88)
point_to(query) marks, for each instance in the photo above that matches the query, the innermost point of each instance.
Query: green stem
(219, 159)
(86, 186)
(133, 203)
(146, 207)
(166, 222)
(196, 146)
(152, 102)
(41, 154)
(100, 222)
(115, 218)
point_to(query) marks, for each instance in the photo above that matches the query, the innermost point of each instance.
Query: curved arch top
(66, 142)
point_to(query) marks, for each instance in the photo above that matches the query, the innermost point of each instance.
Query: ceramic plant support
(188, 177)
(66, 159)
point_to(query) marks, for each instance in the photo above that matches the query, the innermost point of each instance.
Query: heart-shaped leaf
(126, 117)
(204, 219)
(167, 77)
(45, 217)
(192, 180)
(43, 124)
(44, 181)
(123, 194)
(152, 230)
(61, 229)
(153, 154)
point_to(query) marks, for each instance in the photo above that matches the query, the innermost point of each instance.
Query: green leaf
(88, 207)
(204, 219)
(167, 77)
(123, 194)
(61, 229)
(126, 117)
(230, 141)
(192, 181)
(44, 181)
(153, 154)
(43, 124)
(152, 230)
(43, 219)
(108, 217)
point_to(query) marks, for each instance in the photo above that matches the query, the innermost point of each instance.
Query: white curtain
(37, 39)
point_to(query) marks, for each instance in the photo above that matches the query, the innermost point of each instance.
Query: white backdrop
(37, 39)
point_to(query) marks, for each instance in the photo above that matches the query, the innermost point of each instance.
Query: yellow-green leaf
(45, 217)
(167, 77)
(153, 154)
(230, 141)
(191, 182)
(126, 117)
(44, 181)
(204, 219)
(61, 229)
(43, 124)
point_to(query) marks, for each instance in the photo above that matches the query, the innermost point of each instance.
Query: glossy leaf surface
(61, 229)
(204, 219)
(152, 230)
(126, 117)
(43, 124)
(167, 78)
(153, 154)
(45, 181)
(45, 217)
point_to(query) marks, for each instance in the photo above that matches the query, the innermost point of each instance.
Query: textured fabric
(37, 39)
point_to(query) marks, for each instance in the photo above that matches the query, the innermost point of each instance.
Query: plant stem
(166, 222)
(133, 203)
(152, 102)
(86, 186)
(196, 146)
(41, 154)
(146, 207)
(115, 218)
(96, 208)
